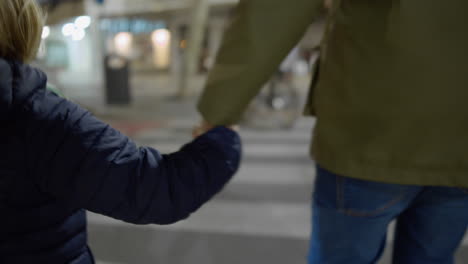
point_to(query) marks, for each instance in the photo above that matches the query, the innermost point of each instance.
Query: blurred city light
(183, 44)
(123, 43)
(45, 32)
(83, 22)
(68, 29)
(161, 37)
(78, 34)
(76, 30)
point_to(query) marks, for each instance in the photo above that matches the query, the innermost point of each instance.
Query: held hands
(204, 127)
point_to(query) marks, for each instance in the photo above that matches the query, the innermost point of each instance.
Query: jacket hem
(371, 170)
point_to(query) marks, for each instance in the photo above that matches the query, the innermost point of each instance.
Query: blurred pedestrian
(390, 98)
(57, 160)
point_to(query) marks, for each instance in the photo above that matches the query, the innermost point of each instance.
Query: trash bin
(117, 79)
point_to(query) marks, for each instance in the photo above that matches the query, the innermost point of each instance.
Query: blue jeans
(350, 218)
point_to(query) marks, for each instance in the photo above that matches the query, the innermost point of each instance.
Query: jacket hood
(18, 82)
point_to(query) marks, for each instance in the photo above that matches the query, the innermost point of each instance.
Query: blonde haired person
(57, 160)
(20, 29)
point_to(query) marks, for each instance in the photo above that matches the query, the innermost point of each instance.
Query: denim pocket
(365, 198)
(361, 198)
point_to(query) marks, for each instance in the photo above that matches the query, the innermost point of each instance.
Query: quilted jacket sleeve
(75, 157)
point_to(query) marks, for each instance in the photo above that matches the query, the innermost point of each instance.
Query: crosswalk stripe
(232, 217)
(278, 174)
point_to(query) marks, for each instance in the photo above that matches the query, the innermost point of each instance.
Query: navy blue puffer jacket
(57, 160)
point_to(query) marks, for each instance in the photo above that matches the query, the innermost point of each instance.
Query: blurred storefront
(154, 35)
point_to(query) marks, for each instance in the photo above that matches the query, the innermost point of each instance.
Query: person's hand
(204, 127)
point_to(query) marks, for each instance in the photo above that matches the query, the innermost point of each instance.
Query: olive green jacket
(391, 97)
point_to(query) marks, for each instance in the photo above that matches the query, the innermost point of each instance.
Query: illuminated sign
(136, 25)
